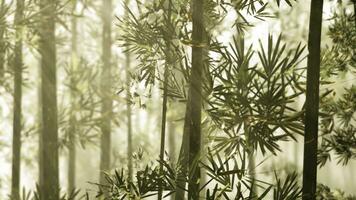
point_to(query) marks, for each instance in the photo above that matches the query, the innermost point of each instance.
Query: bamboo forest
(177, 99)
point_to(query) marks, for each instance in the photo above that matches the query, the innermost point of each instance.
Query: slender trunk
(16, 140)
(49, 153)
(312, 102)
(250, 157)
(39, 129)
(165, 100)
(206, 84)
(72, 120)
(2, 42)
(172, 141)
(252, 172)
(191, 142)
(106, 109)
(196, 99)
(72, 155)
(40, 126)
(2, 54)
(129, 117)
(171, 144)
(203, 176)
(182, 162)
(163, 125)
(128, 108)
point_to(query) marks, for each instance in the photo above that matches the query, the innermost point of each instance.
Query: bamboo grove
(177, 99)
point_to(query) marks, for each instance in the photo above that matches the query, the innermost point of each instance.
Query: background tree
(72, 120)
(49, 187)
(128, 107)
(252, 94)
(17, 126)
(106, 88)
(4, 9)
(168, 64)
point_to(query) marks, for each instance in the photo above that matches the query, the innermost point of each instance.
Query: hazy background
(292, 22)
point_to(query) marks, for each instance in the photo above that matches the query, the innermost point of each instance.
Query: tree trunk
(72, 120)
(250, 155)
(172, 145)
(163, 124)
(129, 117)
(3, 7)
(49, 137)
(182, 162)
(312, 102)
(16, 140)
(106, 109)
(252, 172)
(128, 108)
(191, 142)
(40, 127)
(196, 99)
(2, 51)
(172, 141)
(165, 99)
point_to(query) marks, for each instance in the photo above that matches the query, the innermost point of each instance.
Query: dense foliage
(75, 81)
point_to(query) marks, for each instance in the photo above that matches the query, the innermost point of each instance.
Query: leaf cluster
(338, 113)
(249, 8)
(323, 192)
(146, 183)
(149, 35)
(229, 180)
(253, 103)
(341, 56)
(338, 131)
